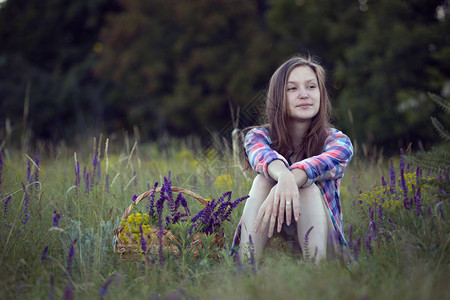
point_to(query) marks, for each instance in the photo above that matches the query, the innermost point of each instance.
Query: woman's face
(302, 94)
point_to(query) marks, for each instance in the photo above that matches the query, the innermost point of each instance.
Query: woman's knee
(261, 185)
(261, 181)
(310, 191)
(260, 189)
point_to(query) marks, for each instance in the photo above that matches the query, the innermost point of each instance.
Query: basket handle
(148, 193)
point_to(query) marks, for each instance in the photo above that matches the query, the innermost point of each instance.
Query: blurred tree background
(77, 68)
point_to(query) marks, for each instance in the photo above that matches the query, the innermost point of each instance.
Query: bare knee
(260, 189)
(312, 191)
(262, 182)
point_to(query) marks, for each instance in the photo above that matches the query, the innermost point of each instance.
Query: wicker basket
(132, 249)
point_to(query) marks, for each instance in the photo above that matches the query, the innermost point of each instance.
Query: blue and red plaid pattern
(325, 169)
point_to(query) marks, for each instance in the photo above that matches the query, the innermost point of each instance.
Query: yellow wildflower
(223, 181)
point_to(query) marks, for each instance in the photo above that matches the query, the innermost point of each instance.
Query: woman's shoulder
(334, 133)
(258, 130)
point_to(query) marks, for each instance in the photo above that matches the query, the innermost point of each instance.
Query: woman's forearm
(277, 169)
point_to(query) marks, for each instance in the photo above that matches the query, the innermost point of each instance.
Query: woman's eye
(312, 86)
(292, 89)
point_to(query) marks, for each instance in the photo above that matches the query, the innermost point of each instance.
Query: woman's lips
(304, 105)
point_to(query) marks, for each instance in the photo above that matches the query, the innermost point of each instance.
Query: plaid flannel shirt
(325, 169)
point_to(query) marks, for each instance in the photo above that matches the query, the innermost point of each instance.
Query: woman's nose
(302, 93)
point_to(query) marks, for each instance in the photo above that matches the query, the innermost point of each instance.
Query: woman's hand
(265, 216)
(286, 198)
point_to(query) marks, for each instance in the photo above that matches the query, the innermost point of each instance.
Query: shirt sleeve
(331, 163)
(260, 155)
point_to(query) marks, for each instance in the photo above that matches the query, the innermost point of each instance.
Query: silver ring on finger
(288, 202)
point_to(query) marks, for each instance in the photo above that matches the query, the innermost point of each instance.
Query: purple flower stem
(70, 257)
(5, 206)
(44, 255)
(252, 254)
(104, 289)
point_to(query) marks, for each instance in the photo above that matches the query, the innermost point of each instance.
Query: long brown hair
(277, 113)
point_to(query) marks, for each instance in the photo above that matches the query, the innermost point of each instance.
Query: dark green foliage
(174, 67)
(47, 46)
(196, 57)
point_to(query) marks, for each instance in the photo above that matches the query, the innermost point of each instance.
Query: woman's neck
(297, 131)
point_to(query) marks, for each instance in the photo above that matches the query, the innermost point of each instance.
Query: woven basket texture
(130, 249)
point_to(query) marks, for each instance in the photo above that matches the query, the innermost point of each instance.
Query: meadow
(60, 207)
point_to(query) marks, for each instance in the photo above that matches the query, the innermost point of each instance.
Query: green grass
(413, 264)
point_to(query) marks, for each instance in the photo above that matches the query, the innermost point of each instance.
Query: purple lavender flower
(160, 205)
(407, 203)
(380, 213)
(392, 176)
(104, 289)
(418, 175)
(392, 223)
(371, 213)
(68, 292)
(87, 182)
(5, 206)
(44, 255)
(357, 248)
(151, 201)
(95, 159)
(233, 206)
(168, 190)
(418, 205)
(70, 257)
(56, 218)
(212, 219)
(205, 216)
(77, 174)
(439, 207)
(142, 240)
(95, 164)
(26, 211)
(87, 187)
(418, 202)
(403, 185)
(368, 242)
(133, 198)
(182, 201)
(360, 201)
(159, 209)
(383, 182)
(239, 266)
(174, 219)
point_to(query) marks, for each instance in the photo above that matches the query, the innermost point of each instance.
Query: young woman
(299, 159)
